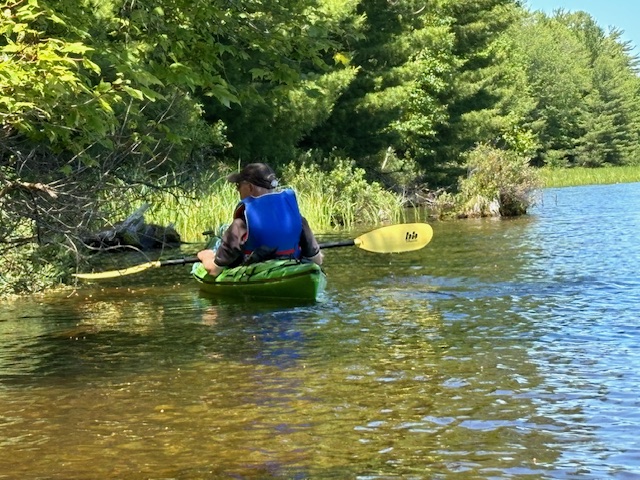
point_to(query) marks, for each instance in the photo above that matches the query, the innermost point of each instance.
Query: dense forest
(104, 99)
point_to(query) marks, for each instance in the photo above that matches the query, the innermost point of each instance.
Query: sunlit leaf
(105, 105)
(137, 94)
(94, 67)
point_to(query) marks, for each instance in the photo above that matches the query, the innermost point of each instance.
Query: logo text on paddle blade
(411, 237)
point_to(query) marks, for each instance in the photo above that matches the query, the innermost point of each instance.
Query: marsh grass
(337, 199)
(341, 197)
(568, 177)
(196, 212)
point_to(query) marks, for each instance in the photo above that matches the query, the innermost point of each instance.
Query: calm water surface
(505, 349)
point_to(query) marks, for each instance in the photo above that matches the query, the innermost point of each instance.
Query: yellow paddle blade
(404, 237)
(118, 273)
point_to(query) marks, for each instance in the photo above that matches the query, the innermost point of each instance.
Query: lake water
(504, 349)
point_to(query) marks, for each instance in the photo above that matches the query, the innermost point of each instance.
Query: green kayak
(287, 279)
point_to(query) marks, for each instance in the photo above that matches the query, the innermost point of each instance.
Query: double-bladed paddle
(403, 237)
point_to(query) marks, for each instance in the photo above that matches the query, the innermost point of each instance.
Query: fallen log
(134, 232)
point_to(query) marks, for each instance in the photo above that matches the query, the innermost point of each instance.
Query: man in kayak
(266, 224)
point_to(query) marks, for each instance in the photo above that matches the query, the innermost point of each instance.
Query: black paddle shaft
(179, 261)
(343, 243)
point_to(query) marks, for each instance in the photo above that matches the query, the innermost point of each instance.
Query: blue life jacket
(273, 221)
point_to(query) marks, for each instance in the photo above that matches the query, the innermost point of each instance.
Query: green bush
(31, 269)
(499, 183)
(340, 195)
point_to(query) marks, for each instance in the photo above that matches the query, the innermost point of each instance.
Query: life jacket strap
(281, 253)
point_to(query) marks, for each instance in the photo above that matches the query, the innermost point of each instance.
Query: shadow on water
(114, 330)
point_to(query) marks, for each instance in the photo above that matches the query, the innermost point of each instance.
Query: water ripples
(505, 349)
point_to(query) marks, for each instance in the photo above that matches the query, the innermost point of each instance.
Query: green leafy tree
(45, 91)
(433, 79)
(404, 65)
(586, 90)
(287, 85)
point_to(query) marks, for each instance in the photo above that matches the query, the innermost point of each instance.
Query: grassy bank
(568, 177)
(337, 199)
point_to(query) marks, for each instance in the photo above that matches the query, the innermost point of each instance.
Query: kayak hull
(287, 279)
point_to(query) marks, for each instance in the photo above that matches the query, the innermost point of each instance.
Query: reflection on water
(505, 349)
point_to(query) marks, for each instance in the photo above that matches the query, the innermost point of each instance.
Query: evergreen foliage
(398, 100)
(585, 88)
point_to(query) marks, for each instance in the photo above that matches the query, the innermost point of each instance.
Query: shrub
(499, 182)
(33, 269)
(341, 196)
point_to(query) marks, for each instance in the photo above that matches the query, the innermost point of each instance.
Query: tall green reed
(194, 213)
(337, 199)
